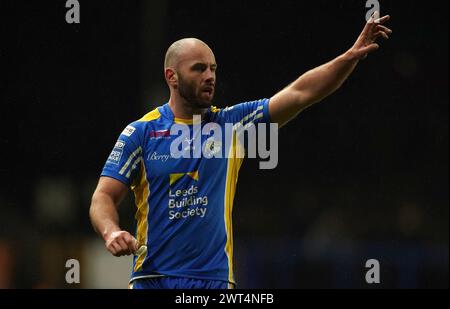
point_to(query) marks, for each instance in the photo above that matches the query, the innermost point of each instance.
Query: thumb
(142, 249)
(136, 245)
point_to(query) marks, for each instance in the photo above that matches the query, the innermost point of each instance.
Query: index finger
(371, 22)
(382, 20)
(374, 21)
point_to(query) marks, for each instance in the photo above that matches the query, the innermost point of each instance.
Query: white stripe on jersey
(139, 159)
(134, 154)
(251, 115)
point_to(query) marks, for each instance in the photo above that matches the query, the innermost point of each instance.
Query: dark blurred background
(362, 175)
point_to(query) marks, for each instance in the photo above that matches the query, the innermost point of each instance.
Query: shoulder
(151, 116)
(135, 131)
(141, 124)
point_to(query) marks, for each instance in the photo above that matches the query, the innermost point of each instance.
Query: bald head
(182, 48)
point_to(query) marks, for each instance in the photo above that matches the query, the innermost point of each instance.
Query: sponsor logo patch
(116, 153)
(129, 131)
(159, 134)
(158, 157)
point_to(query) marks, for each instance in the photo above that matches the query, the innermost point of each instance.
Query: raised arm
(319, 83)
(105, 218)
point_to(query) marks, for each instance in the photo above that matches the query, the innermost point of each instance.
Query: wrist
(106, 233)
(351, 56)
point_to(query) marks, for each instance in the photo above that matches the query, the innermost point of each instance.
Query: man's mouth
(209, 90)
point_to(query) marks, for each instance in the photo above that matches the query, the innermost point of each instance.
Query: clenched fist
(121, 243)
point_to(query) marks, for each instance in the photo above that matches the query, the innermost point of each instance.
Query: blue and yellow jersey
(184, 205)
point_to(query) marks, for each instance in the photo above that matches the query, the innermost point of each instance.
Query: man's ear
(171, 76)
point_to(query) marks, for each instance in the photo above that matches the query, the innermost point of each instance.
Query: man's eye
(199, 68)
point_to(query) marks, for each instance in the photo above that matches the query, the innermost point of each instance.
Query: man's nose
(210, 76)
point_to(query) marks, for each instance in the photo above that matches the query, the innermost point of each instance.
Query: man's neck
(183, 110)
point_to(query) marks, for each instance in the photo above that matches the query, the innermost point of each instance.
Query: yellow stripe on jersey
(153, 115)
(235, 159)
(234, 164)
(183, 121)
(141, 193)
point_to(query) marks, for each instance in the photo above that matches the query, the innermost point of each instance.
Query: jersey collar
(166, 112)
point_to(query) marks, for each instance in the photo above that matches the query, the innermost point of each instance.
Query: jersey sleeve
(124, 161)
(248, 112)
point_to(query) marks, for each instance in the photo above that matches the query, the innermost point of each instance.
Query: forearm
(104, 215)
(319, 83)
(311, 87)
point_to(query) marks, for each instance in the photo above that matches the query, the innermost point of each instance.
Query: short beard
(187, 92)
